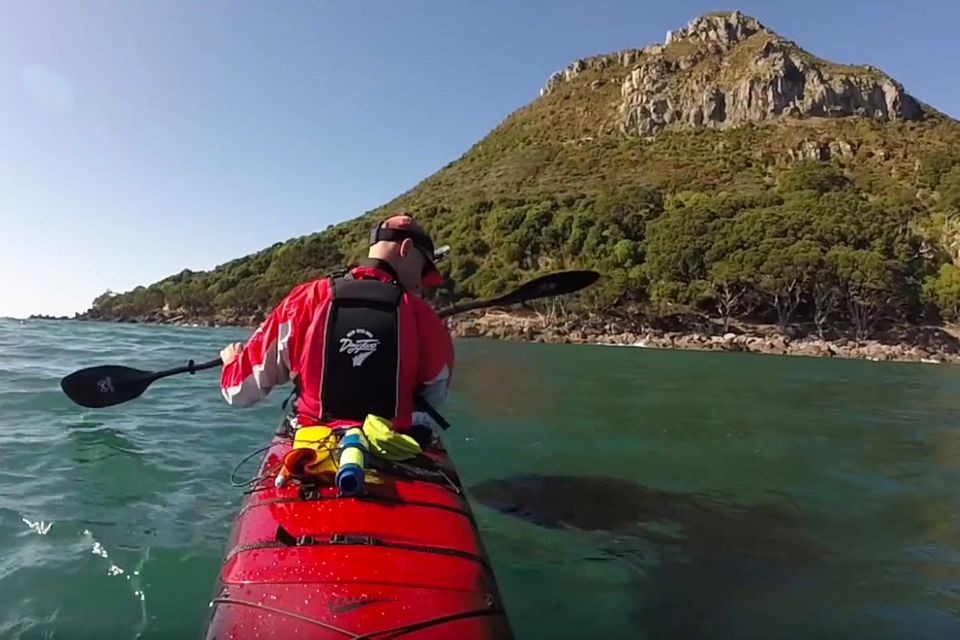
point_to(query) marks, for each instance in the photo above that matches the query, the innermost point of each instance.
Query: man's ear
(406, 246)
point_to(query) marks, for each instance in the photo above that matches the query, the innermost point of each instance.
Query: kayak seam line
(370, 498)
(395, 631)
(372, 581)
(268, 544)
(296, 616)
(416, 626)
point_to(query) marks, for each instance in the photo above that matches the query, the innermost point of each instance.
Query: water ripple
(865, 457)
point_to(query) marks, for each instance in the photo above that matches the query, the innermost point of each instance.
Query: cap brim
(432, 277)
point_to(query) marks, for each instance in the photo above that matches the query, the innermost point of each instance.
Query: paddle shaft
(550, 285)
(443, 313)
(111, 384)
(466, 306)
(190, 367)
(502, 301)
(513, 297)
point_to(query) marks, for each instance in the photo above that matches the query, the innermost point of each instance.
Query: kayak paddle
(107, 385)
(553, 284)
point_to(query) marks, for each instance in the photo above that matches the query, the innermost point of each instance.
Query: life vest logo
(360, 344)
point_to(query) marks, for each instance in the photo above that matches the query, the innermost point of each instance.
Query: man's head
(403, 243)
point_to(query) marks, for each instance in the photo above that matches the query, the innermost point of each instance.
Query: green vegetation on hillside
(815, 247)
(818, 248)
(737, 222)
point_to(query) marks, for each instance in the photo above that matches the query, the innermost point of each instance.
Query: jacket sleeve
(436, 355)
(264, 361)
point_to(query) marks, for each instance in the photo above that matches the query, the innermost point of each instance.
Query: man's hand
(230, 352)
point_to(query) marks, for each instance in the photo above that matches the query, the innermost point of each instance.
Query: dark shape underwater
(713, 559)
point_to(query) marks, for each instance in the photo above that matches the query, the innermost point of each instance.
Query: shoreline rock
(927, 344)
(180, 319)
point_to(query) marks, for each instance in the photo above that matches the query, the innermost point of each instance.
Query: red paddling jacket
(353, 346)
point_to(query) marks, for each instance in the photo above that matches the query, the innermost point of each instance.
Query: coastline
(929, 344)
(900, 343)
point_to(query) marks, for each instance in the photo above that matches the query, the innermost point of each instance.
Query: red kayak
(402, 559)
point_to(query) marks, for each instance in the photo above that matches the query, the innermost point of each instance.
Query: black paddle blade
(553, 284)
(105, 386)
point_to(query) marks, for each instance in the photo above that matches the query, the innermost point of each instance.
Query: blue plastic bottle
(352, 459)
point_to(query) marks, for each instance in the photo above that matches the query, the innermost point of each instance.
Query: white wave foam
(40, 527)
(134, 577)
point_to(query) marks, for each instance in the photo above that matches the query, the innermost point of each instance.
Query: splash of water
(39, 527)
(115, 570)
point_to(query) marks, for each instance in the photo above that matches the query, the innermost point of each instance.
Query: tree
(729, 284)
(630, 210)
(142, 301)
(677, 242)
(786, 271)
(104, 299)
(868, 282)
(760, 258)
(825, 292)
(943, 291)
(933, 166)
(626, 253)
(812, 175)
(950, 189)
(195, 298)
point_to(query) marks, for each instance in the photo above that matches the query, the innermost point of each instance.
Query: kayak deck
(404, 559)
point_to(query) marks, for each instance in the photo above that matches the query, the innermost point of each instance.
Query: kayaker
(361, 344)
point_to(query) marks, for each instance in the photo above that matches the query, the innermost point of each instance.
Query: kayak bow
(401, 558)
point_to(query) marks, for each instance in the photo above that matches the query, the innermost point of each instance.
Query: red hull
(405, 560)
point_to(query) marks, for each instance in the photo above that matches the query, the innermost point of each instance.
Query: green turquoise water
(794, 498)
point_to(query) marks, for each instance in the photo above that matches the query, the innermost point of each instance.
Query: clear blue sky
(140, 138)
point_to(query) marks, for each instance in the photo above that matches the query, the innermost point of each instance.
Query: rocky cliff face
(624, 59)
(727, 69)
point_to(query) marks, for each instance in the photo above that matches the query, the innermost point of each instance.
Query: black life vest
(361, 350)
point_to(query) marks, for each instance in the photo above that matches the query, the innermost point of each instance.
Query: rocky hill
(725, 70)
(693, 173)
